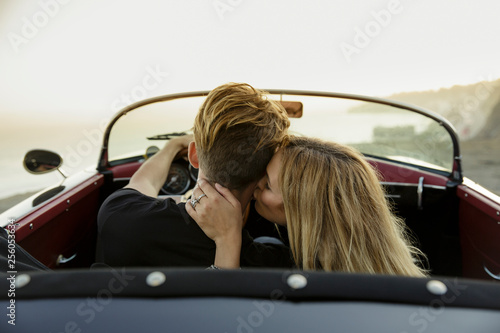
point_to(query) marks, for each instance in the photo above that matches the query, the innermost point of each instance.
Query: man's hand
(153, 173)
(179, 143)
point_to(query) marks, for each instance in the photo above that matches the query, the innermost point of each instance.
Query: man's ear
(193, 155)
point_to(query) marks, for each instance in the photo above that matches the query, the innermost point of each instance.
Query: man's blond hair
(236, 133)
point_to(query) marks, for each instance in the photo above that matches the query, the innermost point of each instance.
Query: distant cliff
(474, 109)
(492, 127)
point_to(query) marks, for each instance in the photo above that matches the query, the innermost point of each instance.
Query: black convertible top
(184, 300)
(256, 283)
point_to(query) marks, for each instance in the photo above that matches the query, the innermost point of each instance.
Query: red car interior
(448, 222)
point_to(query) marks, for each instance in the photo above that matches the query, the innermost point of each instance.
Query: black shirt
(138, 230)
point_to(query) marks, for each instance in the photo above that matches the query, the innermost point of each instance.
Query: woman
(333, 205)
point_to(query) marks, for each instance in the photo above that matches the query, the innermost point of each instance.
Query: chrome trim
(62, 260)
(496, 277)
(420, 191)
(121, 179)
(436, 187)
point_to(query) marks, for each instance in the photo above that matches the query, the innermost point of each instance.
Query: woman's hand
(218, 213)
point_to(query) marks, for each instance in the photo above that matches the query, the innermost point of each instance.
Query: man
(236, 132)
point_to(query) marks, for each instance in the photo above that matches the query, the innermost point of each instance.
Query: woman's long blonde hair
(338, 218)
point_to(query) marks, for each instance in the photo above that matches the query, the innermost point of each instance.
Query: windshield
(377, 130)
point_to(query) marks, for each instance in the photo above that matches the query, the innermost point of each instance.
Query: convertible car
(454, 221)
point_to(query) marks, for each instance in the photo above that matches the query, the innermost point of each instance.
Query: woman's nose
(261, 183)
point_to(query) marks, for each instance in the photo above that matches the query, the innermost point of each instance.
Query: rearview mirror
(40, 161)
(294, 109)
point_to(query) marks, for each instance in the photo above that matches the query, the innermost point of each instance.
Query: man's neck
(244, 196)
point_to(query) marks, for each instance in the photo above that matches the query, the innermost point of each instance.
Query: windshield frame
(456, 172)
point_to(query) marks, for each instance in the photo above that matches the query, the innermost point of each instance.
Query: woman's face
(269, 202)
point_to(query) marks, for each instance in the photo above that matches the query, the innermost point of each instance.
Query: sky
(84, 59)
(65, 64)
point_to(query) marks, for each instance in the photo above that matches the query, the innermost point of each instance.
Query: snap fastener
(22, 280)
(155, 279)
(436, 287)
(296, 281)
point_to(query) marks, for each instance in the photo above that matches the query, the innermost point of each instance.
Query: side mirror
(40, 161)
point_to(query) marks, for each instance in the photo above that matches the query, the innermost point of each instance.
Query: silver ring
(193, 202)
(201, 196)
